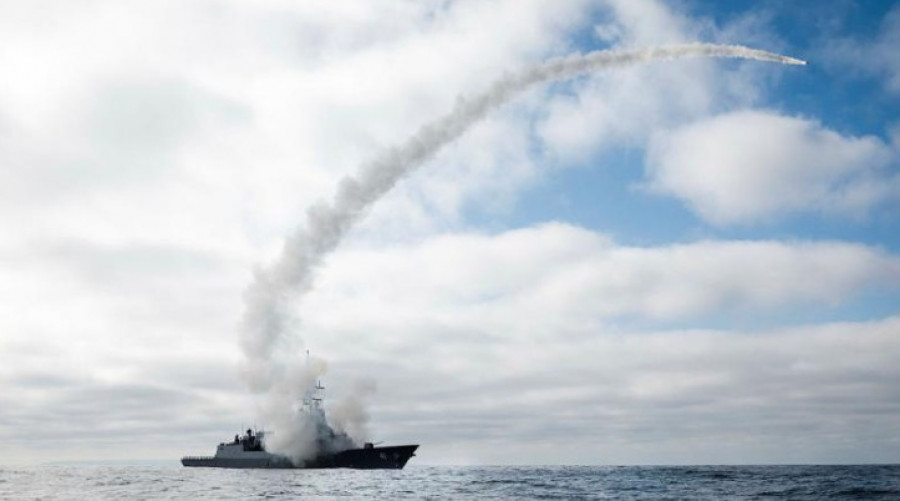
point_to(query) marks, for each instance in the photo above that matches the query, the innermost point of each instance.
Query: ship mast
(312, 401)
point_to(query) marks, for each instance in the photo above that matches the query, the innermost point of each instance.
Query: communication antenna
(311, 398)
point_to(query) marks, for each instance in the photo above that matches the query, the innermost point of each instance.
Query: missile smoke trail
(268, 300)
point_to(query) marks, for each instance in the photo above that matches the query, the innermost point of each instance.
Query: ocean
(455, 482)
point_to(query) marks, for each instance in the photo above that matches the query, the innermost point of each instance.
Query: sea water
(463, 482)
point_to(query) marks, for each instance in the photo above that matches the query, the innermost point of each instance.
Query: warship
(335, 449)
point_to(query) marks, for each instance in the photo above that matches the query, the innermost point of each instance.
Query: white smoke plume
(349, 415)
(267, 330)
(293, 437)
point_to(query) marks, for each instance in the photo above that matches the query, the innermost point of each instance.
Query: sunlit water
(442, 482)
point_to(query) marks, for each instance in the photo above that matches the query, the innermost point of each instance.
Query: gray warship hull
(390, 457)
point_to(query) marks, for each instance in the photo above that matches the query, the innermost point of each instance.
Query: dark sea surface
(462, 482)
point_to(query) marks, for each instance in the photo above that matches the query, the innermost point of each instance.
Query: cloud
(809, 394)
(619, 107)
(872, 53)
(750, 165)
(68, 400)
(623, 108)
(558, 281)
(885, 49)
(538, 309)
(645, 22)
(679, 396)
(226, 97)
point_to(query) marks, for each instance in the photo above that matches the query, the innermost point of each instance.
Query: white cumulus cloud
(555, 279)
(751, 165)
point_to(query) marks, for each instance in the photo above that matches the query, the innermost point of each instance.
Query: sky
(680, 262)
